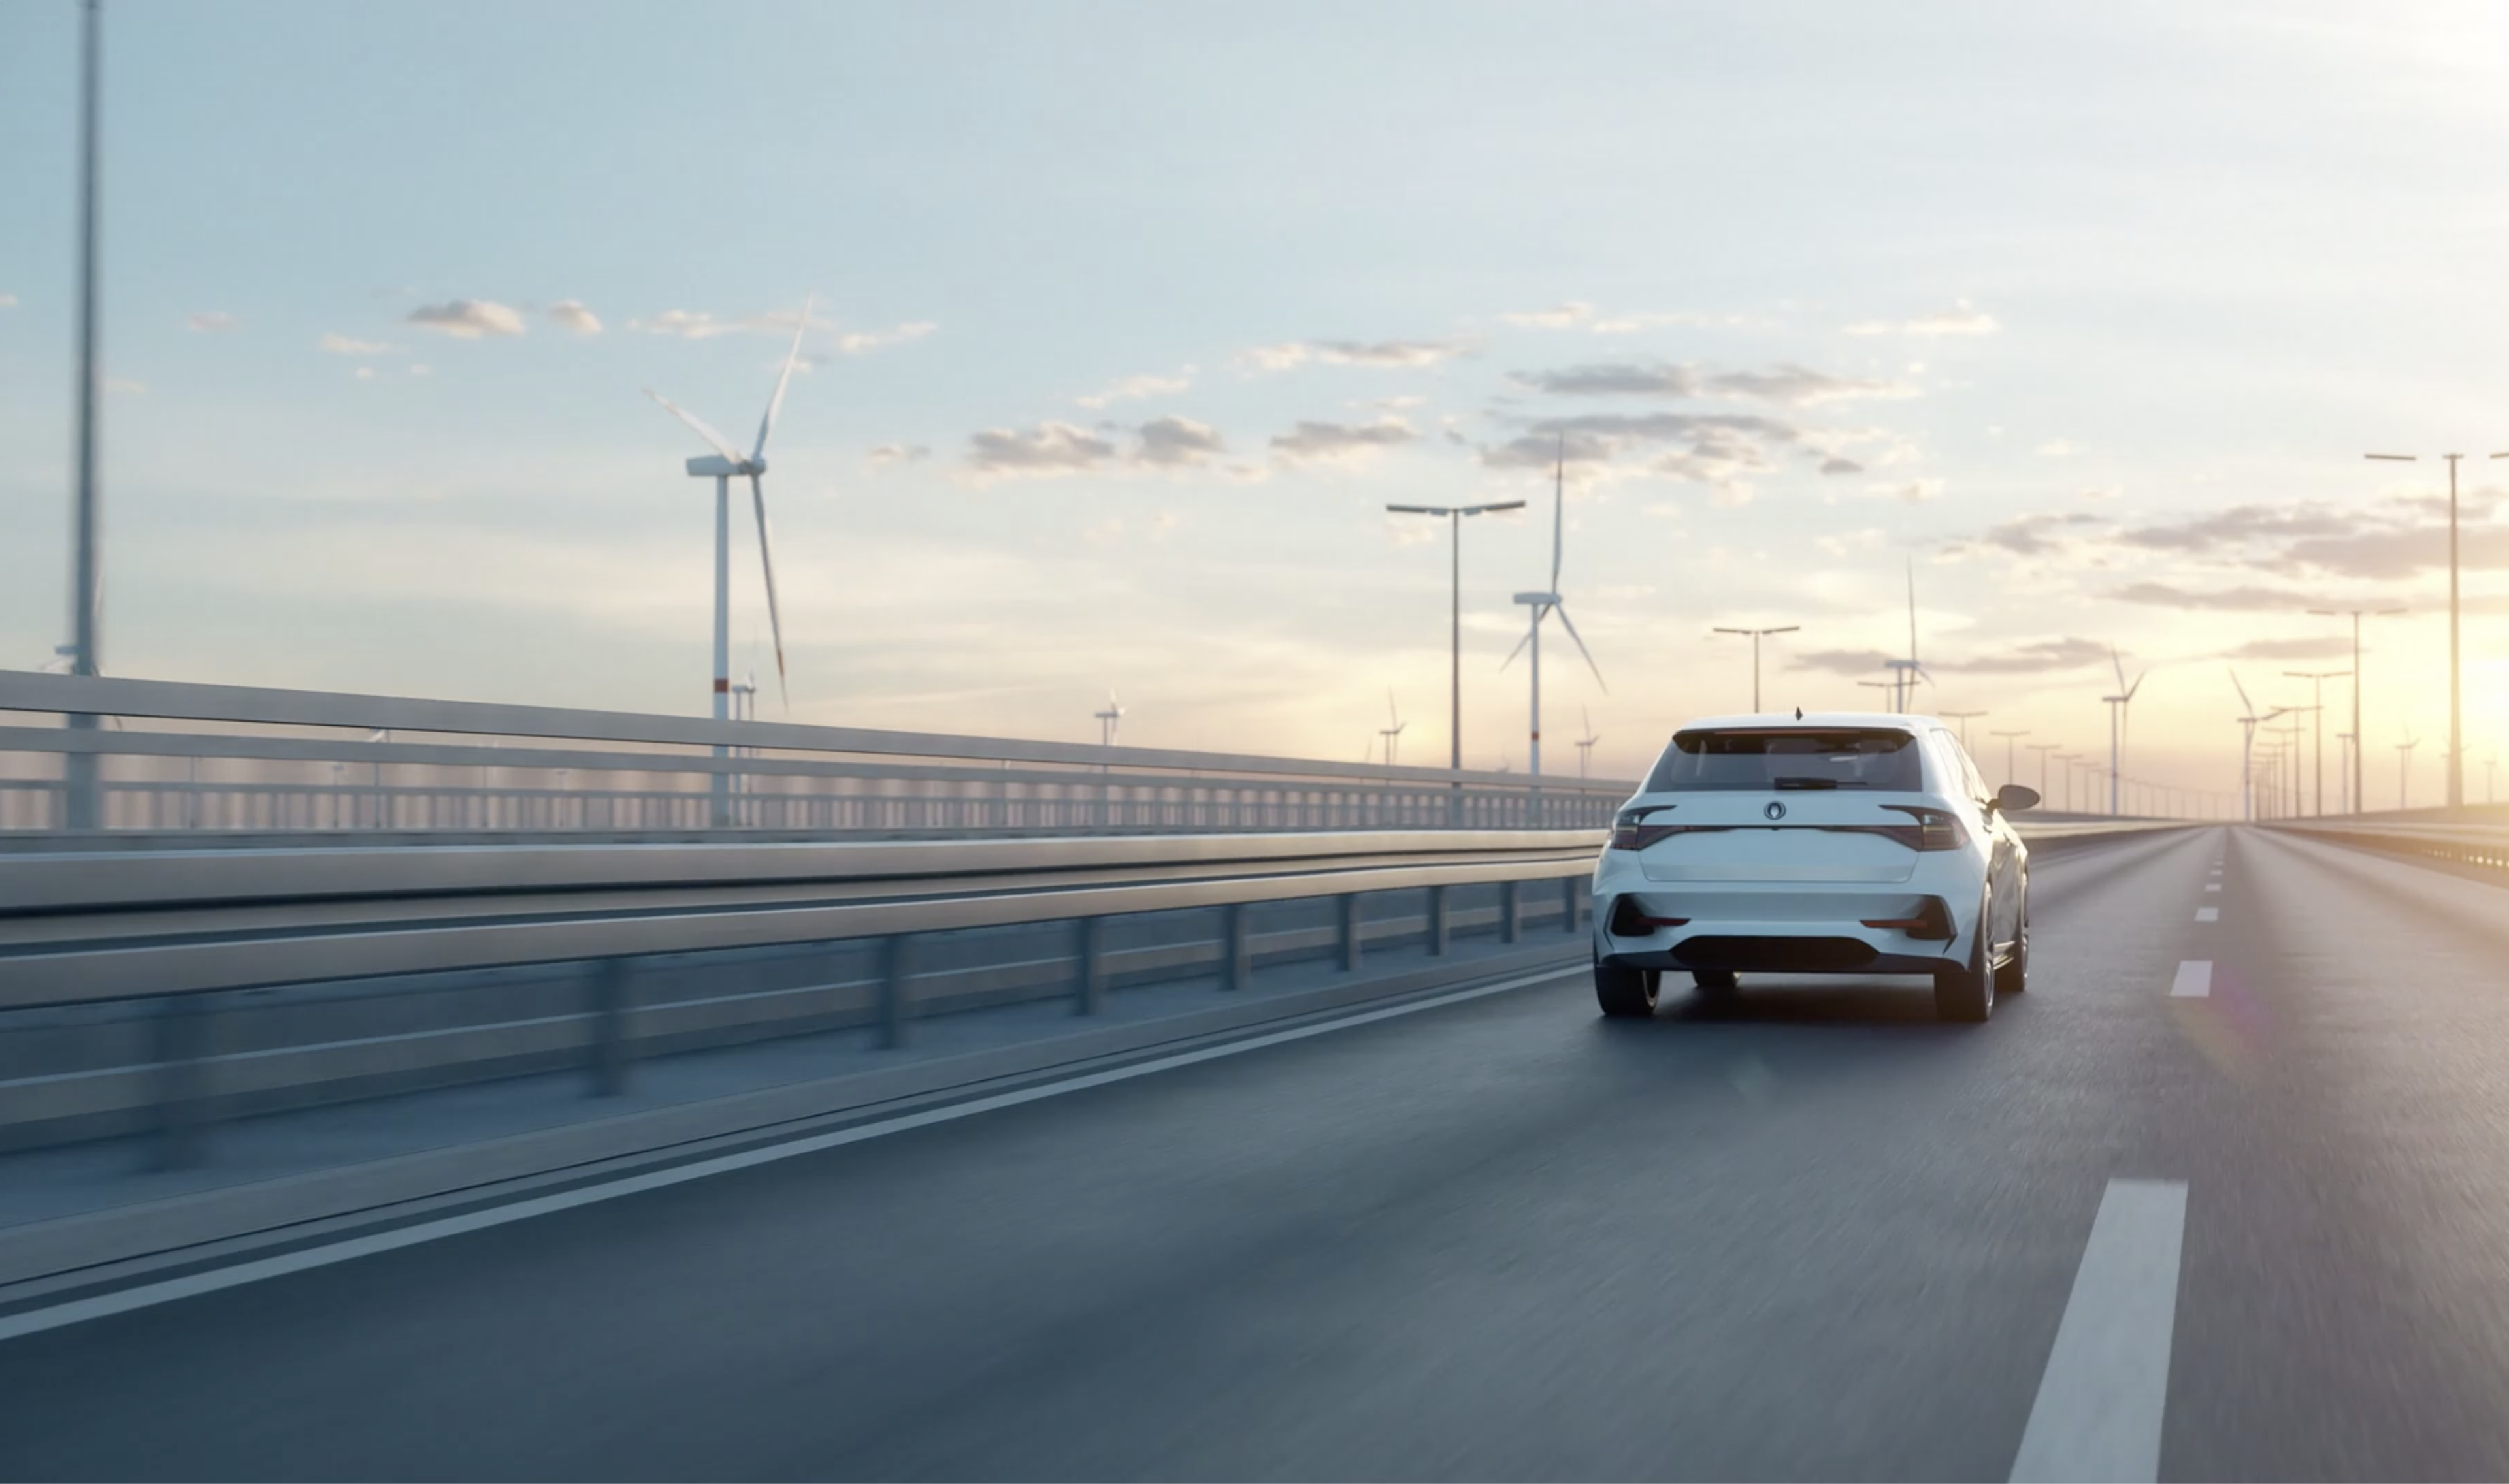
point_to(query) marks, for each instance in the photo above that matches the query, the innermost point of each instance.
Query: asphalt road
(1814, 1234)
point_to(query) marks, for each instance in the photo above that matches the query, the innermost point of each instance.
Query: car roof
(1890, 721)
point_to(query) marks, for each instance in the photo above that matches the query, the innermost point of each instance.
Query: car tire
(1715, 984)
(2014, 976)
(1967, 994)
(1624, 992)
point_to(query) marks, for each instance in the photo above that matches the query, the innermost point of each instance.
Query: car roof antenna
(1799, 713)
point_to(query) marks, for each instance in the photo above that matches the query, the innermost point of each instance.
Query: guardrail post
(1568, 903)
(1437, 920)
(896, 988)
(613, 1007)
(1089, 986)
(1511, 911)
(180, 1096)
(1239, 948)
(1350, 940)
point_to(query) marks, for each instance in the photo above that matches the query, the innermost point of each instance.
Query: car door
(2002, 852)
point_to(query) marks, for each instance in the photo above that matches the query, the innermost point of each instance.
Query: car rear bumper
(1822, 931)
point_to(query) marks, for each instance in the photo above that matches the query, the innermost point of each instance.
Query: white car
(1841, 843)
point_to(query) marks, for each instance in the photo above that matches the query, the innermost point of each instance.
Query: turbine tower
(2248, 724)
(1905, 673)
(1585, 743)
(1543, 605)
(1109, 719)
(722, 466)
(2117, 705)
(1392, 733)
(2405, 769)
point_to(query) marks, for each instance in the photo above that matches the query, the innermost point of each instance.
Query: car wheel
(1967, 992)
(2014, 975)
(1715, 984)
(1625, 992)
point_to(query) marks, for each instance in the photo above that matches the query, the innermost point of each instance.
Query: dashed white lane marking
(2194, 979)
(148, 1295)
(2100, 1399)
(2212, 886)
(2208, 914)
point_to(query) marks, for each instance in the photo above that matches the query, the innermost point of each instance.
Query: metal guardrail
(242, 766)
(2481, 845)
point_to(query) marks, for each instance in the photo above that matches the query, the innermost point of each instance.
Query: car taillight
(1936, 829)
(1631, 832)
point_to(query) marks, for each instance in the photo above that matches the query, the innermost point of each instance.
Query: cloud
(365, 373)
(1834, 465)
(2243, 599)
(1790, 385)
(2059, 448)
(126, 387)
(2312, 646)
(689, 325)
(1048, 450)
(8, 301)
(1354, 352)
(571, 315)
(468, 318)
(1631, 378)
(1558, 318)
(1335, 442)
(2036, 657)
(2390, 541)
(1794, 385)
(211, 322)
(1915, 492)
(1136, 388)
(1178, 444)
(888, 455)
(1960, 320)
(342, 345)
(863, 342)
(2036, 535)
(1842, 661)
(1711, 448)
(419, 371)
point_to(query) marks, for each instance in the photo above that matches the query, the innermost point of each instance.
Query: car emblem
(1774, 811)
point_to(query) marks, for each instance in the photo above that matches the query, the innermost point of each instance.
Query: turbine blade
(776, 403)
(1520, 647)
(1912, 610)
(717, 441)
(1559, 510)
(2120, 664)
(2138, 683)
(1561, 610)
(767, 561)
(2246, 705)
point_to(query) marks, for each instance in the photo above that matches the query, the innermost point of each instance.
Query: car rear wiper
(1805, 783)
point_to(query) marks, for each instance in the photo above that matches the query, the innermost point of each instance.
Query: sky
(1128, 321)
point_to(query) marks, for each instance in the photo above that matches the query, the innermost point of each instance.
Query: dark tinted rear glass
(1772, 758)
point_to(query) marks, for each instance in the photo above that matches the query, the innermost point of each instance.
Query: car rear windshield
(1764, 759)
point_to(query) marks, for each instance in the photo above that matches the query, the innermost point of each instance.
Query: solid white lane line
(148, 1295)
(2208, 914)
(2100, 1399)
(2194, 979)
(2212, 886)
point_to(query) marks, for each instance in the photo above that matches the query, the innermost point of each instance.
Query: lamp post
(2043, 749)
(2455, 709)
(2358, 799)
(1962, 716)
(1454, 515)
(1755, 654)
(2318, 680)
(81, 791)
(2007, 737)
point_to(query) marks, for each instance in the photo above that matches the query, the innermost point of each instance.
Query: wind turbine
(1543, 605)
(2248, 724)
(1907, 672)
(2405, 769)
(1394, 733)
(2117, 705)
(1585, 743)
(722, 466)
(1107, 721)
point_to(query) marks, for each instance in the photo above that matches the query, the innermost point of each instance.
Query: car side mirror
(2013, 797)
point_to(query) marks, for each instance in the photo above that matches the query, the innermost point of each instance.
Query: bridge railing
(192, 764)
(2482, 845)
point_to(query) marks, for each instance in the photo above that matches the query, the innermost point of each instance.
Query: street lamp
(1454, 515)
(1755, 655)
(2318, 680)
(2007, 737)
(81, 791)
(2455, 709)
(2355, 614)
(2043, 749)
(1962, 716)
